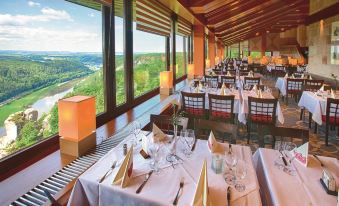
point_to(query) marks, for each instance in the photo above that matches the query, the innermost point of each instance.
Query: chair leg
(315, 128)
(301, 114)
(309, 120)
(326, 135)
(248, 132)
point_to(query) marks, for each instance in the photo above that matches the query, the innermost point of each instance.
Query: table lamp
(190, 71)
(166, 82)
(208, 63)
(77, 125)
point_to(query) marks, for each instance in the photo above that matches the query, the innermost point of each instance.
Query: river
(45, 104)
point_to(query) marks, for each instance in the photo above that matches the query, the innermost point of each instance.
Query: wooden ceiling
(237, 20)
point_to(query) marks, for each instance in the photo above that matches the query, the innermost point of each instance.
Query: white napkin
(158, 135)
(124, 174)
(310, 77)
(286, 76)
(200, 86)
(228, 74)
(201, 196)
(259, 94)
(302, 76)
(321, 88)
(332, 94)
(196, 90)
(293, 76)
(254, 89)
(222, 90)
(213, 145)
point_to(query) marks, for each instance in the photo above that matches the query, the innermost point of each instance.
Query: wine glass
(135, 130)
(289, 155)
(189, 139)
(240, 174)
(154, 152)
(230, 161)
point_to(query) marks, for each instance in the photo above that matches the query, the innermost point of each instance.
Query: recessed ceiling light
(267, 31)
(257, 34)
(297, 10)
(282, 29)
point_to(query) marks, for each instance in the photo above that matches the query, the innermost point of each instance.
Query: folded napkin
(286, 76)
(201, 196)
(196, 90)
(332, 94)
(259, 93)
(125, 171)
(310, 77)
(321, 88)
(302, 76)
(293, 77)
(228, 74)
(222, 91)
(213, 145)
(158, 135)
(200, 86)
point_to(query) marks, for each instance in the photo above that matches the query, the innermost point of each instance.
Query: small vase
(174, 140)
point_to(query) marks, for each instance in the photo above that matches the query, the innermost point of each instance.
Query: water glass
(135, 131)
(240, 174)
(154, 152)
(230, 161)
(189, 140)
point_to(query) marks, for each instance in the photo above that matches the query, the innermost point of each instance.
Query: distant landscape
(36, 79)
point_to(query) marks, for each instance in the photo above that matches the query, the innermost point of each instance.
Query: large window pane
(119, 60)
(149, 60)
(180, 58)
(48, 51)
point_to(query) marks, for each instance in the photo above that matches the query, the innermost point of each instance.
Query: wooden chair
(313, 82)
(194, 104)
(243, 73)
(212, 81)
(165, 123)
(228, 79)
(221, 107)
(251, 81)
(290, 133)
(295, 88)
(279, 71)
(332, 116)
(262, 112)
(203, 129)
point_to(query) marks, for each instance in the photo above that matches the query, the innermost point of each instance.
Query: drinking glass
(230, 161)
(240, 174)
(189, 139)
(135, 131)
(154, 152)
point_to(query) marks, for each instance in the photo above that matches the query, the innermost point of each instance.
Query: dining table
(304, 188)
(315, 103)
(162, 187)
(240, 101)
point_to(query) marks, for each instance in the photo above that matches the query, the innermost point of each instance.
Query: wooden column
(173, 46)
(211, 48)
(263, 44)
(199, 51)
(128, 47)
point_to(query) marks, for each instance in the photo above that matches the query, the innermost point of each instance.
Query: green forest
(146, 78)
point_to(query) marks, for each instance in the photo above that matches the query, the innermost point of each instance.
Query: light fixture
(208, 63)
(166, 82)
(190, 71)
(77, 125)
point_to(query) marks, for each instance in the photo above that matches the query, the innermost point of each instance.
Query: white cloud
(91, 15)
(47, 15)
(33, 4)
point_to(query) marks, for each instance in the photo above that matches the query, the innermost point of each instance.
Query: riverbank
(25, 101)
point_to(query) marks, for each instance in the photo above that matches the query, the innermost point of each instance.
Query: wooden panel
(199, 56)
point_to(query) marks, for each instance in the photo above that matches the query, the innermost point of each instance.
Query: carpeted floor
(292, 119)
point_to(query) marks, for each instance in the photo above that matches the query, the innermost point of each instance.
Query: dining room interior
(169, 102)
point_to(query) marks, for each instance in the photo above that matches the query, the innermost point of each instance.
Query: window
(119, 54)
(268, 53)
(256, 54)
(54, 55)
(149, 59)
(180, 56)
(234, 51)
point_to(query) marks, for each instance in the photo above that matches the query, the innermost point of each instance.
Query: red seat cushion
(261, 118)
(195, 111)
(221, 114)
(332, 119)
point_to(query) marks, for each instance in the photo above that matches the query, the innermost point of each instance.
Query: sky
(58, 25)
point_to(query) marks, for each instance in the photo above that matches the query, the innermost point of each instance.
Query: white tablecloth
(281, 85)
(279, 188)
(241, 107)
(314, 104)
(161, 188)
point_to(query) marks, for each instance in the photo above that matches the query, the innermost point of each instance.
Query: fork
(110, 169)
(181, 186)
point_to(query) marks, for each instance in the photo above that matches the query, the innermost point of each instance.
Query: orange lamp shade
(293, 62)
(250, 60)
(190, 69)
(208, 63)
(216, 59)
(166, 79)
(76, 117)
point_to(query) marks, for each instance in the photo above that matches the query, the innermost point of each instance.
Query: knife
(229, 196)
(144, 182)
(283, 158)
(318, 160)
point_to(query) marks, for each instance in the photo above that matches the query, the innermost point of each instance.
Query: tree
(29, 134)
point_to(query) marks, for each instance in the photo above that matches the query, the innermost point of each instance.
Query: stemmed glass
(240, 174)
(154, 152)
(135, 130)
(230, 161)
(189, 139)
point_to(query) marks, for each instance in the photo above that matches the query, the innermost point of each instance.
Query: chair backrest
(282, 132)
(332, 111)
(221, 107)
(262, 110)
(243, 73)
(193, 104)
(315, 82)
(251, 81)
(297, 75)
(279, 68)
(165, 123)
(228, 80)
(294, 85)
(204, 127)
(311, 88)
(212, 81)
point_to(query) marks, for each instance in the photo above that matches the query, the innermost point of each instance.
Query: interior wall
(319, 48)
(317, 5)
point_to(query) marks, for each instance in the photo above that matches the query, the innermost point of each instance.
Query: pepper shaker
(125, 149)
